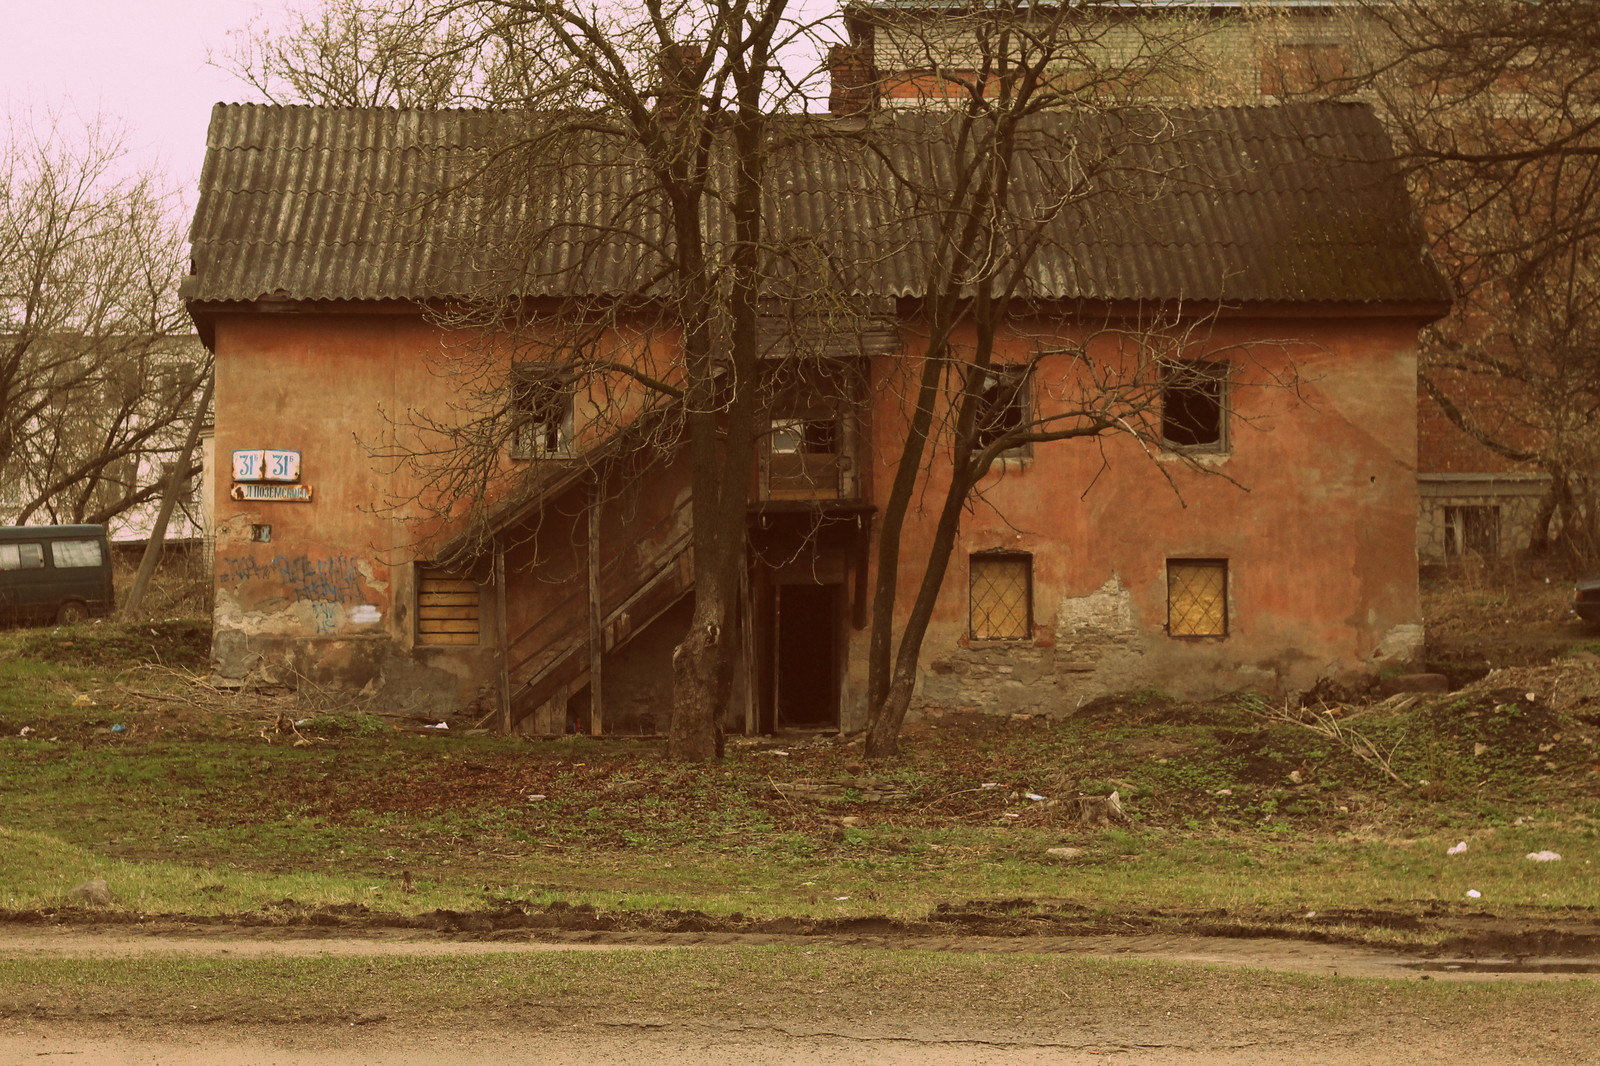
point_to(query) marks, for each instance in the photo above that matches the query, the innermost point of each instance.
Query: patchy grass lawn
(117, 762)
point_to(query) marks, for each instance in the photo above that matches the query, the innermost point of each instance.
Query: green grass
(210, 809)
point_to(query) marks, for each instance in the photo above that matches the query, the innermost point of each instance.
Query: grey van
(58, 574)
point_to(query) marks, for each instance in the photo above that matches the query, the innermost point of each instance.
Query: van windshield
(69, 553)
(21, 557)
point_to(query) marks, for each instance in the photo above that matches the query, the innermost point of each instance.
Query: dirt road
(1137, 1035)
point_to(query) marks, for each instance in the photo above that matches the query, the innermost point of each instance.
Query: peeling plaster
(1402, 644)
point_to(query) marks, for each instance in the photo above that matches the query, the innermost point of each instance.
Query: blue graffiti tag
(336, 579)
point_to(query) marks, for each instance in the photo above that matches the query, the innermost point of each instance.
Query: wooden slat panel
(447, 638)
(440, 584)
(447, 625)
(447, 612)
(442, 599)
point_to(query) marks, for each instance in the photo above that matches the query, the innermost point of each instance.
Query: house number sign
(268, 474)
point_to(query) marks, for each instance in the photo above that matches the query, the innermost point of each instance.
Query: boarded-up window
(447, 608)
(1002, 596)
(1197, 597)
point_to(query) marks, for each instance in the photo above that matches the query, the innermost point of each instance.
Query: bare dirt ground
(1260, 953)
(1392, 1041)
(1179, 1033)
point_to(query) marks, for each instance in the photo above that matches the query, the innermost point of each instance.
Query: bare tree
(96, 364)
(666, 115)
(1050, 118)
(365, 53)
(1496, 108)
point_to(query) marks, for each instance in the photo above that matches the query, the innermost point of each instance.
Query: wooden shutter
(447, 608)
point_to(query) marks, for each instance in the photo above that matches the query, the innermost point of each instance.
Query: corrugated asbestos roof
(1288, 203)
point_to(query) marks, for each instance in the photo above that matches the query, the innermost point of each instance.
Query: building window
(447, 607)
(541, 411)
(1197, 597)
(1003, 406)
(1472, 530)
(1194, 406)
(1002, 596)
(805, 436)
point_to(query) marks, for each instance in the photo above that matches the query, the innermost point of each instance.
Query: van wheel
(71, 613)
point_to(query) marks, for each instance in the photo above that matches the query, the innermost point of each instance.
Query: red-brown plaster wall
(329, 596)
(1314, 506)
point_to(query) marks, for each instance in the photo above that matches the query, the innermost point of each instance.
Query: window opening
(1001, 603)
(541, 411)
(1197, 597)
(805, 436)
(1002, 405)
(1192, 406)
(1472, 530)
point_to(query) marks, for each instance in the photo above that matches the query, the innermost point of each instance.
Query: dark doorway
(806, 635)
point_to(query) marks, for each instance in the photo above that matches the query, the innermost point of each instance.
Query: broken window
(805, 436)
(805, 457)
(1472, 530)
(1197, 597)
(1001, 605)
(541, 411)
(447, 607)
(1003, 405)
(1193, 406)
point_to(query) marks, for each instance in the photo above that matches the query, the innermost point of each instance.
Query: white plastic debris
(536, 797)
(990, 784)
(1473, 893)
(438, 725)
(840, 899)
(1033, 796)
(1543, 856)
(1458, 849)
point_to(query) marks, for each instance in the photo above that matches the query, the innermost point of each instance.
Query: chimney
(852, 81)
(680, 80)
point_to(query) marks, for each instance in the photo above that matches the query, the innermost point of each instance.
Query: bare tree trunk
(158, 534)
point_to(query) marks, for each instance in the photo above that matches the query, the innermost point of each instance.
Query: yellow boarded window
(1197, 597)
(1002, 596)
(447, 607)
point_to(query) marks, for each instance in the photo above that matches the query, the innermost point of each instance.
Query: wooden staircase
(549, 661)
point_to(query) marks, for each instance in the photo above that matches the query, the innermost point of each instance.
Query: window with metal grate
(1197, 597)
(1001, 604)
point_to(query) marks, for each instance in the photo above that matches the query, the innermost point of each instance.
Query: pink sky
(138, 62)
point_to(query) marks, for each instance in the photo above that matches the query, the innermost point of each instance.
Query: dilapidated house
(1261, 532)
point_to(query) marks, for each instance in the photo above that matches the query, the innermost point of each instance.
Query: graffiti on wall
(336, 579)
